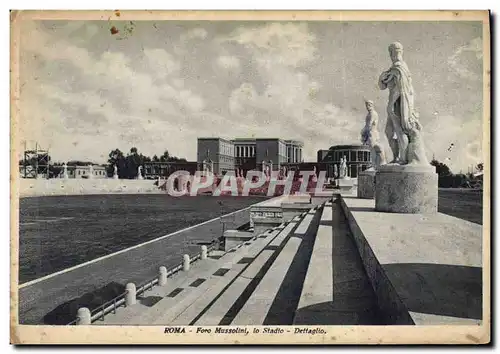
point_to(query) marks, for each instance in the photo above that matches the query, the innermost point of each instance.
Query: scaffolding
(36, 162)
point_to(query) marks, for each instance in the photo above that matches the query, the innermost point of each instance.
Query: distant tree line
(128, 164)
(447, 179)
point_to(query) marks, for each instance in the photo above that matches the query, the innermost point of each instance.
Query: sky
(159, 85)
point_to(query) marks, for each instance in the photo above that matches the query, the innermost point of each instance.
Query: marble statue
(115, 172)
(370, 136)
(343, 167)
(314, 176)
(266, 168)
(403, 129)
(65, 171)
(335, 171)
(91, 171)
(139, 172)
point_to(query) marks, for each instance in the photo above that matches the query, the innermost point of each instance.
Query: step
(180, 280)
(304, 225)
(341, 294)
(125, 315)
(318, 283)
(218, 310)
(166, 314)
(256, 308)
(189, 293)
(283, 235)
(168, 310)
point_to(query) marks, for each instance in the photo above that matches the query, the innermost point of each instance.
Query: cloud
(288, 104)
(194, 34)
(464, 134)
(289, 44)
(466, 59)
(162, 62)
(162, 89)
(228, 62)
(108, 98)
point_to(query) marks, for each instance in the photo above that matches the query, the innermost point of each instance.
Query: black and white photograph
(252, 178)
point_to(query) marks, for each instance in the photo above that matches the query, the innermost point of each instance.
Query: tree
(116, 158)
(480, 167)
(55, 170)
(441, 169)
(79, 163)
(165, 157)
(445, 177)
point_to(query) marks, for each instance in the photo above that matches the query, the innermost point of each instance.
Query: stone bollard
(186, 263)
(162, 276)
(204, 252)
(130, 297)
(83, 316)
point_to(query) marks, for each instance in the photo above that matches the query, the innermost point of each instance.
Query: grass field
(465, 204)
(60, 232)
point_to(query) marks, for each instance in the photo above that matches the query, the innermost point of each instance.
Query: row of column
(365, 156)
(296, 155)
(245, 151)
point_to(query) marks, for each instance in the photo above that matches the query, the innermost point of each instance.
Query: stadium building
(222, 155)
(358, 159)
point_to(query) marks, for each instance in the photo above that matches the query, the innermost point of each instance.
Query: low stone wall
(47, 187)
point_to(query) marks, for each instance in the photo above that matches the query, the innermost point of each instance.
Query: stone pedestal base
(409, 189)
(366, 184)
(346, 186)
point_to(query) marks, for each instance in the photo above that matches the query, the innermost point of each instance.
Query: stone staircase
(336, 288)
(306, 271)
(212, 288)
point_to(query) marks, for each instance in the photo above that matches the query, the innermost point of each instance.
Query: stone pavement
(340, 263)
(215, 291)
(424, 268)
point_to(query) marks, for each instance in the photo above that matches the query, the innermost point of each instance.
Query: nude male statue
(402, 119)
(370, 136)
(400, 109)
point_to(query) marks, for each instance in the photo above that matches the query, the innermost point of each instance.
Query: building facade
(245, 153)
(84, 172)
(216, 155)
(294, 151)
(271, 153)
(357, 156)
(153, 170)
(248, 154)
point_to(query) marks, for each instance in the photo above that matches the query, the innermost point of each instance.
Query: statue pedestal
(408, 189)
(345, 185)
(115, 176)
(366, 184)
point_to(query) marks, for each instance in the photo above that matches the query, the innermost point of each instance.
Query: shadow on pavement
(66, 312)
(438, 289)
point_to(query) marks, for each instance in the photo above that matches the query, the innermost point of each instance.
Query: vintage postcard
(248, 177)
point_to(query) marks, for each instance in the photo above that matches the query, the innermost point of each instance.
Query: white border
(187, 4)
